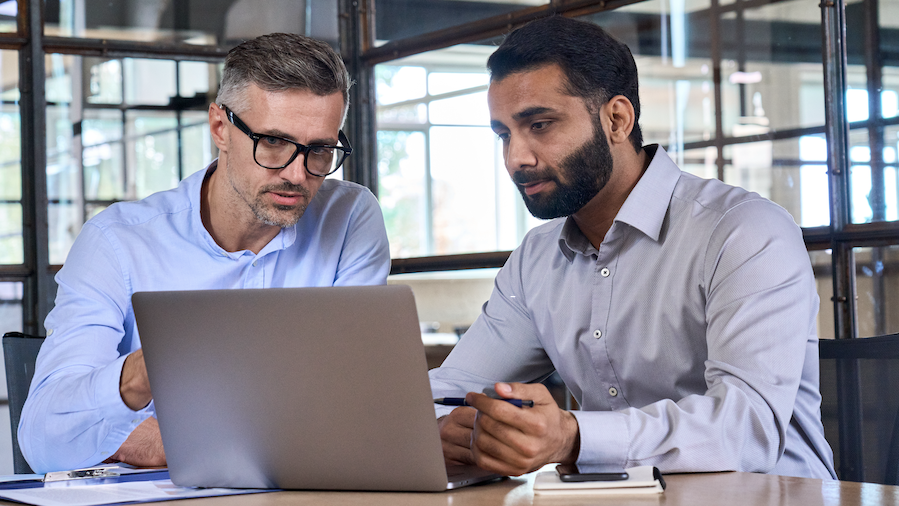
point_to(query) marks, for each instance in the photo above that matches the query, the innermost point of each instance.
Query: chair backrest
(19, 352)
(860, 406)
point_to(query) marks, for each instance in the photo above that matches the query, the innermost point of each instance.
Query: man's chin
(283, 216)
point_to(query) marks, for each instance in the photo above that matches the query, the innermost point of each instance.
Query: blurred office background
(105, 101)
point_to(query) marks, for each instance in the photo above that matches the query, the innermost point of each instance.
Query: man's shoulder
(718, 197)
(138, 212)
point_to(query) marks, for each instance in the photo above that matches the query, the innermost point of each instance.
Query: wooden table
(713, 489)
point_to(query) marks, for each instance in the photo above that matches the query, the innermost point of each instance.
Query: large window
(442, 183)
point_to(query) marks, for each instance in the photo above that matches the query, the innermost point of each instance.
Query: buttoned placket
(603, 279)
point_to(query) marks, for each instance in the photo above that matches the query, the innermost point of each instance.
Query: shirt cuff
(605, 439)
(122, 419)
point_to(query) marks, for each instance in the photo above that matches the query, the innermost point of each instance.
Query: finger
(491, 454)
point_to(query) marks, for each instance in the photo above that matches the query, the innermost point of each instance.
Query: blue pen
(460, 401)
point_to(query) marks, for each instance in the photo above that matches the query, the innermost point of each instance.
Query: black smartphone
(571, 474)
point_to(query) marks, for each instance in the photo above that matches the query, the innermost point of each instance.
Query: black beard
(587, 171)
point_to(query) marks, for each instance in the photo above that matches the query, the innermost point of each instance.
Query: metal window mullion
(715, 35)
(356, 26)
(836, 130)
(38, 287)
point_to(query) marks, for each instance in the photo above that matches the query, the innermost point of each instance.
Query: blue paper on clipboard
(109, 485)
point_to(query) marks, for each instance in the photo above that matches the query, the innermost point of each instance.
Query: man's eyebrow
(496, 124)
(284, 135)
(530, 111)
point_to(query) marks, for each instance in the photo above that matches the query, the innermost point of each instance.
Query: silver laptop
(294, 388)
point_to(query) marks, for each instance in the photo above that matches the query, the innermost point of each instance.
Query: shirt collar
(285, 238)
(644, 209)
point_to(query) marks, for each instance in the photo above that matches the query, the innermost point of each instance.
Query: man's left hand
(513, 441)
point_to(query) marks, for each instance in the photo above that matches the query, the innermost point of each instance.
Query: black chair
(19, 352)
(860, 406)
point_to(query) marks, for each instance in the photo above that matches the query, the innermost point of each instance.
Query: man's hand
(143, 448)
(455, 435)
(134, 385)
(513, 441)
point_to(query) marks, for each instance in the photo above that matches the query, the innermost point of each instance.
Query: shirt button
(597, 334)
(605, 272)
(254, 264)
(613, 391)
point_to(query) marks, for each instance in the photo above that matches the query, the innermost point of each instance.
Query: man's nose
(295, 172)
(519, 155)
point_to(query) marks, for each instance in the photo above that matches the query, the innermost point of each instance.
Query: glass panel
(103, 154)
(431, 108)
(669, 43)
(701, 162)
(772, 67)
(206, 23)
(889, 52)
(194, 78)
(464, 193)
(151, 153)
(790, 172)
(402, 191)
(8, 16)
(104, 84)
(821, 266)
(10, 153)
(11, 245)
(877, 285)
(399, 19)
(65, 222)
(198, 150)
(149, 82)
(62, 167)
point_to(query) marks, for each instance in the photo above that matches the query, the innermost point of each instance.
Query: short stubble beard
(273, 215)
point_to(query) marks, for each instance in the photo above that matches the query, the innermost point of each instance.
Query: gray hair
(280, 62)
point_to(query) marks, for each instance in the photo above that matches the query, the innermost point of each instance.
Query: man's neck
(596, 218)
(228, 228)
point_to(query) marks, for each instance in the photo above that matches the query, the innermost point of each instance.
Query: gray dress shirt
(688, 339)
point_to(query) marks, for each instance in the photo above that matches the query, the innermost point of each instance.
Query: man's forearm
(143, 447)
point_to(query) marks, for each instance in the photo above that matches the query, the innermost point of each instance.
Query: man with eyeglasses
(261, 215)
(679, 311)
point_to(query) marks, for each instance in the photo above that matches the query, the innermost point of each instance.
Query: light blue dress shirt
(688, 339)
(75, 416)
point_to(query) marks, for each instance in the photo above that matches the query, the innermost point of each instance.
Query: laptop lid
(296, 388)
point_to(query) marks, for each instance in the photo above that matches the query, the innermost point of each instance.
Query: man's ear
(218, 126)
(619, 112)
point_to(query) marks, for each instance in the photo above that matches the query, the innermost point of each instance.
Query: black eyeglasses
(274, 153)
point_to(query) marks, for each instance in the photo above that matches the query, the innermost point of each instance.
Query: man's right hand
(455, 434)
(134, 385)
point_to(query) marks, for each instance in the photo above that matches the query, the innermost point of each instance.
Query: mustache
(286, 188)
(523, 178)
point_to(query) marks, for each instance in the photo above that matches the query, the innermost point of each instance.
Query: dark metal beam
(482, 29)
(833, 19)
(356, 21)
(130, 49)
(449, 262)
(38, 290)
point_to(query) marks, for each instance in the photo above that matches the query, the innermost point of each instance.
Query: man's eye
(540, 125)
(320, 150)
(273, 142)
(503, 136)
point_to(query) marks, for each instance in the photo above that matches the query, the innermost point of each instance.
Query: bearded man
(680, 312)
(261, 215)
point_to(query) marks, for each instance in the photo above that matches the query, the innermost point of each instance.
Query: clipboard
(104, 485)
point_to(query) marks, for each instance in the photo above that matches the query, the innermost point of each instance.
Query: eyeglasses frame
(346, 149)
